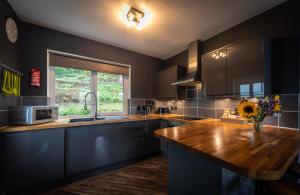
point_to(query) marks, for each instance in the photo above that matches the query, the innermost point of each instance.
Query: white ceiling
(175, 23)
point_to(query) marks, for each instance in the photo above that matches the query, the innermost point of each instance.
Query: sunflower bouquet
(259, 109)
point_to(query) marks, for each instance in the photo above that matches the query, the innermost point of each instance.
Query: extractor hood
(193, 74)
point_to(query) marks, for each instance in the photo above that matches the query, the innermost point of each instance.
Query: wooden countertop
(62, 123)
(264, 155)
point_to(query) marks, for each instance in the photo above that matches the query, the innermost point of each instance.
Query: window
(111, 90)
(67, 88)
(71, 85)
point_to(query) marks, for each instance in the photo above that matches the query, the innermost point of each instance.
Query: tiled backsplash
(5, 103)
(134, 103)
(199, 106)
(194, 105)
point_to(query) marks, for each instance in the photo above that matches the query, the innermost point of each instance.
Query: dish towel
(11, 83)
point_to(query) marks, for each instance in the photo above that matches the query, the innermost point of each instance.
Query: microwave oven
(30, 115)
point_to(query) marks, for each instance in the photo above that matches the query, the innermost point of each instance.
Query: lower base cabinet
(31, 158)
(87, 147)
(133, 139)
(165, 124)
(153, 143)
(90, 147)
(125, 139)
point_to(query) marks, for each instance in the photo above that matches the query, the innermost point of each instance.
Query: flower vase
(258, 125)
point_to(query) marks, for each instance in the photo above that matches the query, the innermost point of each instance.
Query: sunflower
(277, 107)
(277, 98)
(247, 109)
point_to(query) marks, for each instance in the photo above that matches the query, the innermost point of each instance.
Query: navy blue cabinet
(133, 139)
(152, 141)
(125, 139)
(90, 147)
(165, 124)
(31, 158)
(87, 147)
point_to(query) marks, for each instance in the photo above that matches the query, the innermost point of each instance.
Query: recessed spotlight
(218, 54)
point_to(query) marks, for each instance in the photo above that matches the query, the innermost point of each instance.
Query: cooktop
(188, 118)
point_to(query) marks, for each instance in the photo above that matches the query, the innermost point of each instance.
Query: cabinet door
(125, 139)
(164, 79)
(213, 74)
(31, 158)
(245, 68)
(152, 141)
(87, 148)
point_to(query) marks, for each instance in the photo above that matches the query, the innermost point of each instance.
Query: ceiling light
(135, 15)
(138, 18)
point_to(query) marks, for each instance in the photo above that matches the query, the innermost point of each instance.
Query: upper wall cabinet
(214, 73)
(164, 80)
(245, 68)
(241, 69)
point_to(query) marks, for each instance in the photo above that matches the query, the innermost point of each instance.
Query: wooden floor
(146, 177)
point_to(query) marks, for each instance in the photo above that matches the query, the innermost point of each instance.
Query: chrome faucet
(85, 104)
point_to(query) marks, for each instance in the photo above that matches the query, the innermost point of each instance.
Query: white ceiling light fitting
(135, 17)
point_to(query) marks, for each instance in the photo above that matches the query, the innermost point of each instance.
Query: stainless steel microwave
(30, 115)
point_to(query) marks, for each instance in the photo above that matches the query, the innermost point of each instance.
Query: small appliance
(163, 110)
(30, 115)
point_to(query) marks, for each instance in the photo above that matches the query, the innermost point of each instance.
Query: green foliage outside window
(71, 85)
(110, 91)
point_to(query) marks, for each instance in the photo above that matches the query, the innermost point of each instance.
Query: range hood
(193, 74)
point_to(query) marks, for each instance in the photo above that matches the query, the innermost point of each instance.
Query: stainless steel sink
(77, 120)
(112, 117)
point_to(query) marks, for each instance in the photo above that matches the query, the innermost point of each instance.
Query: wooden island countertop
(264, 155)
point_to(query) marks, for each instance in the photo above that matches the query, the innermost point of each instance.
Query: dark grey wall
(9, 55)
(37, 39)
(9, 52)
(280, 24)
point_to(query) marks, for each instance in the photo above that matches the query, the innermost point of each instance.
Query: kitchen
(120, 99)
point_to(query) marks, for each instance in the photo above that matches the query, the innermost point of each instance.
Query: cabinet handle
(139, 128)
(139, 136)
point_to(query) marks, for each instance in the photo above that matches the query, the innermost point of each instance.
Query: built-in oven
(30, 115)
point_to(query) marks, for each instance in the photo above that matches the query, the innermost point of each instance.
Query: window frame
(51, 84)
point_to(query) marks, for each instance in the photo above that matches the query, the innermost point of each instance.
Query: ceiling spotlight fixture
(219, 54)
(135, 17)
